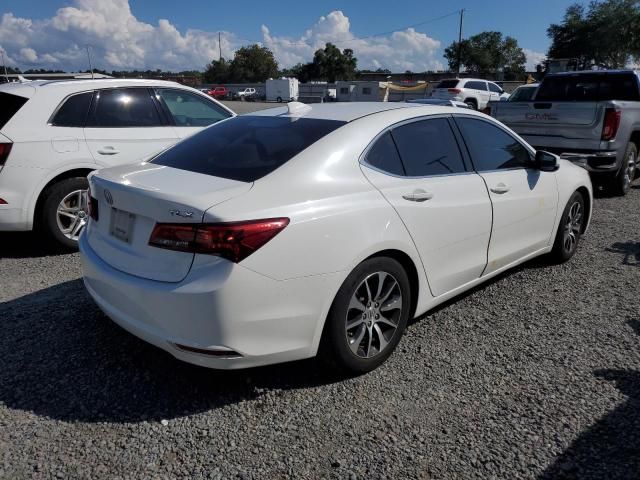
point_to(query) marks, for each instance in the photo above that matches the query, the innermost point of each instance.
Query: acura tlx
(320, 230)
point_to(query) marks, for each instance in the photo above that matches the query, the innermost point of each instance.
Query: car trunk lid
(132, 199)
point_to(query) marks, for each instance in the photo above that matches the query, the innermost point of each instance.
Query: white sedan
(320, 229)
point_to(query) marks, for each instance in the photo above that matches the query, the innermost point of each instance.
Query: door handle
(500, 188)
(108, 151)
(418, 196)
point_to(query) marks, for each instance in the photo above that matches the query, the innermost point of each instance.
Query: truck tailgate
(562, 119)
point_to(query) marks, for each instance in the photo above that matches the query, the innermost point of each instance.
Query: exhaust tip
(218, 352)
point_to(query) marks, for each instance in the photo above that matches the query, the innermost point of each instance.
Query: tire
(473, 104)
(71, 191)
(570, 229)
(356, 317)
(621, 182)
(279, 99)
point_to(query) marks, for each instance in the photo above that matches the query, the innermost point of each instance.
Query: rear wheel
(368, 316)
(64, 211)
(570, 229)
(621, 183)
(472, 103)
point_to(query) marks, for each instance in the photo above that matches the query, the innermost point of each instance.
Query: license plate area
(121, 226)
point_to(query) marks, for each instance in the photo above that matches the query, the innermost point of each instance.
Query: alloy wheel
(373, 315)
(71, 214)
(629, 171)
(573, 227)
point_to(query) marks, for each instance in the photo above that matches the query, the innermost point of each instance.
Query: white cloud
(533, 58)
(118, 40)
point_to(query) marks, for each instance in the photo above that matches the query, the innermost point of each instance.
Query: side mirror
(546, 162)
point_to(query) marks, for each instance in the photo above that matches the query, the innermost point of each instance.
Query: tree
(488, 52)
(217, 72)
(252, 64)
(605, 34)
(330, 64)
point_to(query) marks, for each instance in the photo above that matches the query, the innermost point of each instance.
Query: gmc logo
(540, 116)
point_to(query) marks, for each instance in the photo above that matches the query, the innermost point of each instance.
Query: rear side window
(73, 111)
(383, 155)
(492, 148)
(9, 106)
(124, 107)
(448, 84)
(589, 88)
(476, 86)
(246, 148)
(428, 147)
(189, 109)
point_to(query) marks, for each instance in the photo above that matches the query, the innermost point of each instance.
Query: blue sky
(177, 33)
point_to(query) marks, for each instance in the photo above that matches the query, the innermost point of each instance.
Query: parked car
(247, 93)
(524, 93)
(591, 118)
(438, 101)
(320, 228)
(53, 133)
(475, 92)
(218, 92)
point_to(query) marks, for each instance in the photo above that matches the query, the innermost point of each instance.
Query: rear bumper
(594, 161)
(219, 307)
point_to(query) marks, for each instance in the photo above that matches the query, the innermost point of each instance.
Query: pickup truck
(591, 118)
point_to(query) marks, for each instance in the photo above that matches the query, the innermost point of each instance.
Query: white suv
(53, 133)
(474, 92)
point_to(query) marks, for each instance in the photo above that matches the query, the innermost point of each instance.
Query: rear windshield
(589, 88)
(448, 84)
(246, 148)
(9, 106)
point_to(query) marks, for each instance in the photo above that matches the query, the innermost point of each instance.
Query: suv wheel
(473, 104)
(368, 316)
(64, 211)
(621, 183)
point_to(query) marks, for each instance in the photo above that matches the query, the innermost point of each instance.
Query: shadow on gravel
(611, 447)
(25, 245)
(629, 250)
(60, 357)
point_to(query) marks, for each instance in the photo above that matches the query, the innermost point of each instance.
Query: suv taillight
(454, 90)
(5, 149)
(611, 123)
(234, 241)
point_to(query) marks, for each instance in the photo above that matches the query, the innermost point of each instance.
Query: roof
(346, 112)
(592, 72)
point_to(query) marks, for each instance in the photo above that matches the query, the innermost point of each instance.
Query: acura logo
(108, 197)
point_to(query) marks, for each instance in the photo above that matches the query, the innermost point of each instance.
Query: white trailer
(282, 89)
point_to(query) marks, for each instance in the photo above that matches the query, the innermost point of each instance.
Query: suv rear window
(448, 84)
(246, 148)
(591, 87)
(9, 106)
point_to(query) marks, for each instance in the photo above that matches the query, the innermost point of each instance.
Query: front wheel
(64, 211)
(367, 317)
(570, 229)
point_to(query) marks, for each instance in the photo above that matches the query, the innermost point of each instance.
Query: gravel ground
(534, 375)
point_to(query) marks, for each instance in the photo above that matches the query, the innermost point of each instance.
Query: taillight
(454, 90)
(92, 206)
(611, 123)
(5, 149)
(234, 241)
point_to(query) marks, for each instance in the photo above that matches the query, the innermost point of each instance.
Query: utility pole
(4, 65)
(219, 47)
(89, 57)
(460, 41)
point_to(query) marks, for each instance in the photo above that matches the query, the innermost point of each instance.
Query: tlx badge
(178, 213)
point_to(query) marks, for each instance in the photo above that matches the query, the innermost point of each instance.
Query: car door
(420, 170)
(494, 92)
(125, 126)
(189, 112)
(524, 198)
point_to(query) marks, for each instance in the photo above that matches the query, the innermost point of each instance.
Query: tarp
(398, 88)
